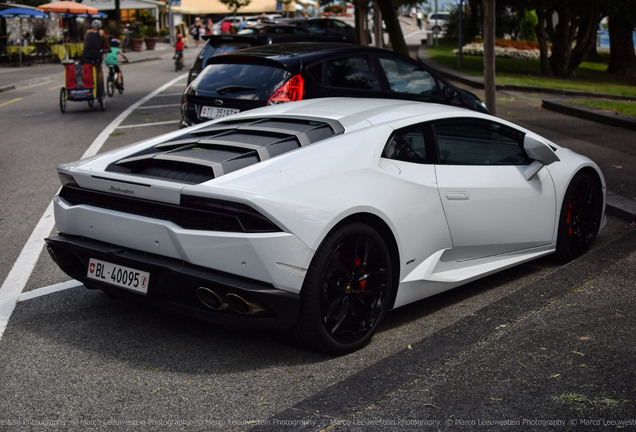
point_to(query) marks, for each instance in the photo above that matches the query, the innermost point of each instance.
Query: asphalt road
(544, 346)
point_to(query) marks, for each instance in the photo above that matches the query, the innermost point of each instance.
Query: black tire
(91, 102)
(63, 100)
(110, 86)
(346, 291)
(581, 215)
(120, 87)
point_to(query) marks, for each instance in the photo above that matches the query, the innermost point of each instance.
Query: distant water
(604, 38)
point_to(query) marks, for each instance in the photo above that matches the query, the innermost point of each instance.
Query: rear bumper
(181, 287)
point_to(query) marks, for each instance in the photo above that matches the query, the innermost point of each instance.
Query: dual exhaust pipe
(231, 301)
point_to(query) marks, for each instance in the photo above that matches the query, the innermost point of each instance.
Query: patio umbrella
(21, 13)
(68, 7)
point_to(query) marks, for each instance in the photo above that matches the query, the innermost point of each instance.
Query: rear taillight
(292, 90)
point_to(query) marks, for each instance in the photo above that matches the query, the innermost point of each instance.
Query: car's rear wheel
(581, 215)
(346, 291)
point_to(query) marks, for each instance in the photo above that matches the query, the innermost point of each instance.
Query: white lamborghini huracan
(321, 215)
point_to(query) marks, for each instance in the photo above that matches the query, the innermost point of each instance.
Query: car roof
(356, 112)
(306, 50)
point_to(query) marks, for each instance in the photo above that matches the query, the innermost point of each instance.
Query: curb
(606, 117)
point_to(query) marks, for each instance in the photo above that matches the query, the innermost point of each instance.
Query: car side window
(479, 142)
(407, 145)
(406, 77)
(351, 72)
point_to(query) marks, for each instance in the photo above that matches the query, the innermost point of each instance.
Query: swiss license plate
(113, 274)
(214, 112)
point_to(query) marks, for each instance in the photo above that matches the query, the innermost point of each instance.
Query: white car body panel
(451, 224)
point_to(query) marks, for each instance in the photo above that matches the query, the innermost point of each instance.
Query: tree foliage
(235, 5)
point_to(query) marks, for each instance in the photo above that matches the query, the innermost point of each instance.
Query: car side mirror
(540, 152)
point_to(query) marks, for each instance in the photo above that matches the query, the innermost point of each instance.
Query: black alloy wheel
(346, 291)
(581, 215)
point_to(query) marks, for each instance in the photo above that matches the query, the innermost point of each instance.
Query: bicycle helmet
(96, 24)
(179, 37)
(114, 42)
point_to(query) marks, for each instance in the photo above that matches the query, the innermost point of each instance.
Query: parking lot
(544, 346)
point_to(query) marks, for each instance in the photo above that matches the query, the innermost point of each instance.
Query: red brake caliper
(363, 282)
(568, 220)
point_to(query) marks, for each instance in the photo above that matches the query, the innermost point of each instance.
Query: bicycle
(112, 82)
(178, 63)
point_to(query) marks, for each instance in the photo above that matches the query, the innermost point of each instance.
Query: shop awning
(103, 5)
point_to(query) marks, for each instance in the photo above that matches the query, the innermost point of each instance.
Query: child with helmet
(111, 59)
(178, 48)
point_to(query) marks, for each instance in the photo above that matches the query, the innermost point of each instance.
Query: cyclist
(95, 44)
(178, 49)
(111, 59)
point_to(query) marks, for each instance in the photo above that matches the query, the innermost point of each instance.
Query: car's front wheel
(581, 216)
(346, 291)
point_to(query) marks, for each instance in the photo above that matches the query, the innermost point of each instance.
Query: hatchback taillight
(292, 90)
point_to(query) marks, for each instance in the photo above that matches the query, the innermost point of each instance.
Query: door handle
(454, 196)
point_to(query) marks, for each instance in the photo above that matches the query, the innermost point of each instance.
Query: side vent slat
(226, 146)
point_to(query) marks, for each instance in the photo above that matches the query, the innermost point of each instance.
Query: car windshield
(241, 81)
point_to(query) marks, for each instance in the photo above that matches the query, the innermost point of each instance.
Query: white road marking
(160, 106)
(16, 280)
(29, 295)
(148, 124)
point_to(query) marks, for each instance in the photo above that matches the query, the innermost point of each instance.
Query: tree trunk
(622, 58)
(585, 37)
(398, 44)
(573, 35)
(361, 12)
(489, 55)
(378, 34)
(543, 42)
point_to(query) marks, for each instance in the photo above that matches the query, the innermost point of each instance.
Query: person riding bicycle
(178, 48)
(111, 59)
(95, 45)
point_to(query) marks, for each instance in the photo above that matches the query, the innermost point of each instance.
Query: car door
(490, 206)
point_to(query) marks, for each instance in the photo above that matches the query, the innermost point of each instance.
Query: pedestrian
(196, 31)
(420, 16)
(226, 27)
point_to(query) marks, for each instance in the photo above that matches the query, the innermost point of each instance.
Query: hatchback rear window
(241, 81)
(224, 47)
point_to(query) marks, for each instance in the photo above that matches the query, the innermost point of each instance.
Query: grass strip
(590, 75)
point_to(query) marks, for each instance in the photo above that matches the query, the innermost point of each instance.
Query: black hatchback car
(264, 35)
(271, 74)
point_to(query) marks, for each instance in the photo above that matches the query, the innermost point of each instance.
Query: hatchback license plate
(113, 274)
(213, 112)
